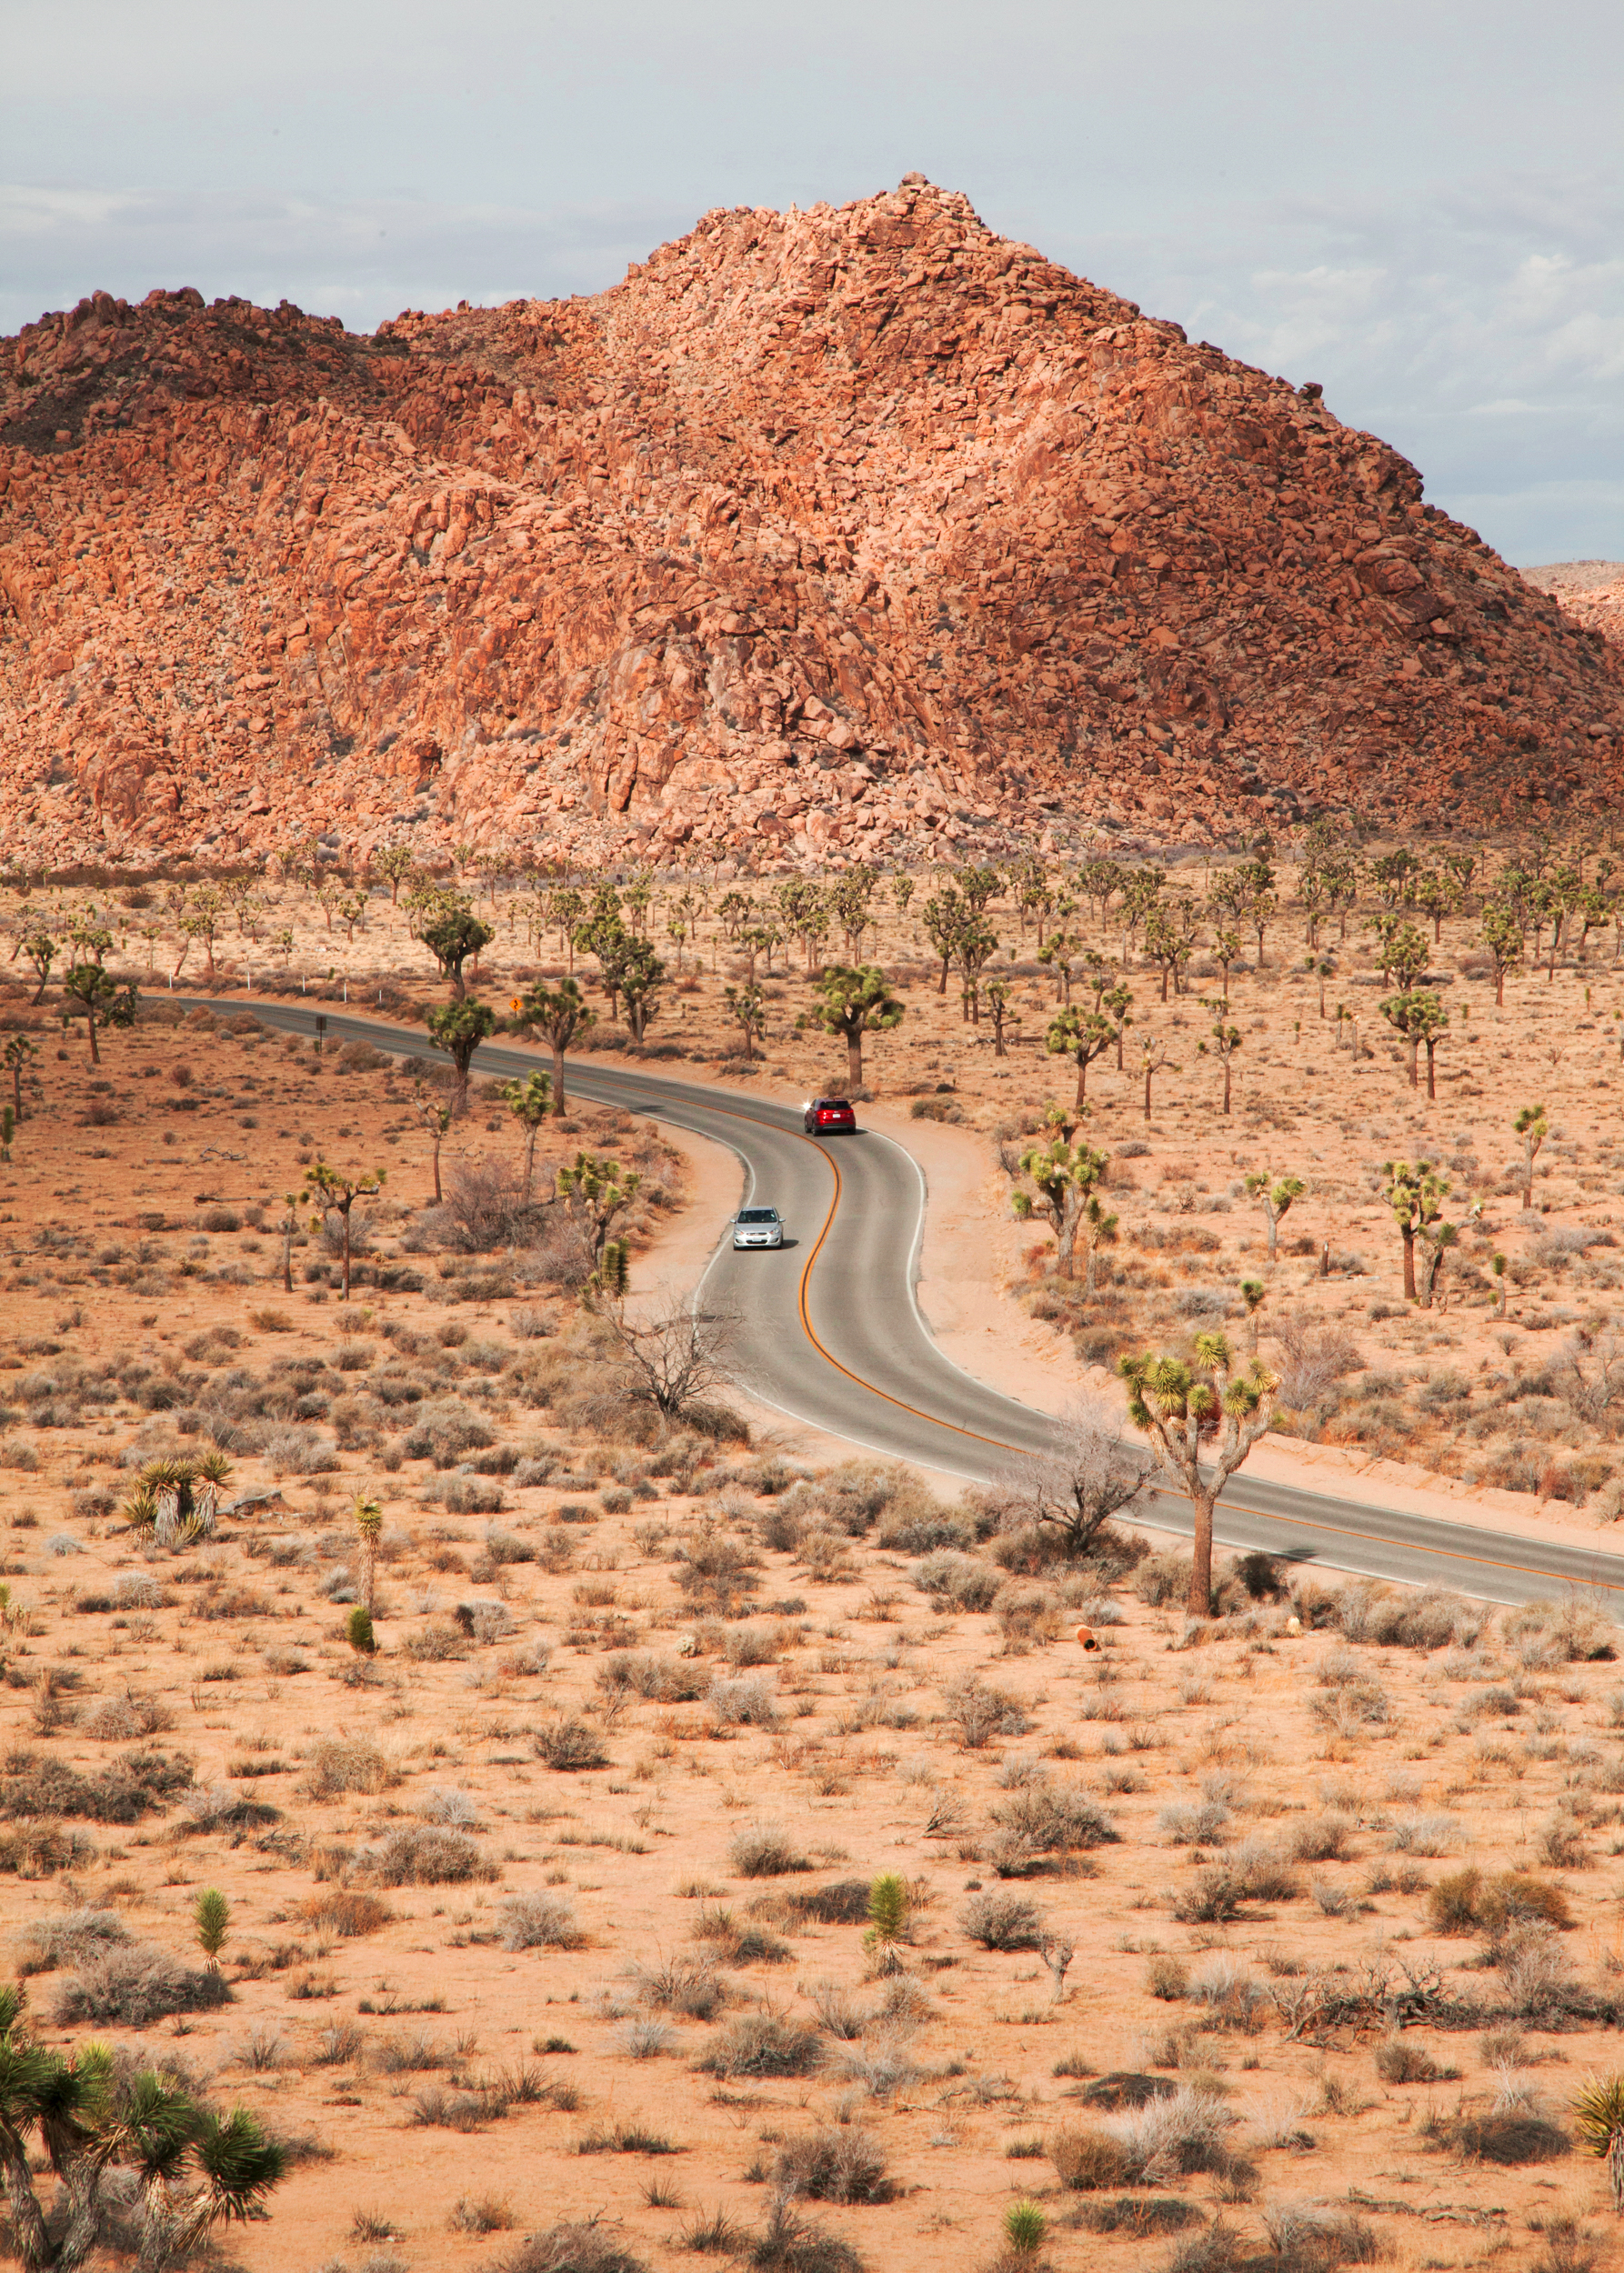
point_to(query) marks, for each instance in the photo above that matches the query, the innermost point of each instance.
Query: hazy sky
(1419, 205)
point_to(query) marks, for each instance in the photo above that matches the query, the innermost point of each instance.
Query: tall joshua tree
(1184, 1410)
(558, 1015)
(854, 1000)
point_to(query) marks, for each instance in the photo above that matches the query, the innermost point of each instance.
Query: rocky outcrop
(1591, 593)
(857, 532)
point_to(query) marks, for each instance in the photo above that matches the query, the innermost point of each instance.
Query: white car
(757, 1227)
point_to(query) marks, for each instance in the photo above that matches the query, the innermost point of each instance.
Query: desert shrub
(134, 1784)
(1166, 1977)
(1467, 1902)
(791, 2244)
(1428, 1832)
(569, 1745)
(743, 1704)
(963, 1582)
(1314, 2237)
(1516, 2136)
(347, 1912)
(1045, 1819)
(74, 1938)
(906, 1529)
(1194, 1822)
(664, 1680)
(1213, 1897)
(1546, 1633)
(843, 2164)
(1262, 1872)
(1402, 2061)
(436, 1642)
(686, 1984)
(716, 1572)
(134, 1985)
(539, 1922)
(347, 1764)
(117, 1719)
(426, 1855)
(1182, 2133)
(844, 1902)
(982, 1712)
(764, 1851)
(1140, 2216)
(1322, 1839)
(571, 2247)
(1314, 1357)
(1088, 2160)
(1003, 1921)
(763, 2044)
(1026, 1614)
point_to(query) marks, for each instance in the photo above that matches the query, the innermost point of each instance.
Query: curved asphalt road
(832, 1334)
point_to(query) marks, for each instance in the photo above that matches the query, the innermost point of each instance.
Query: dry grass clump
(691, 1987)
(426, 1855)
(789, 2243)
(663, 1680)
(982, 1712)
(120, 1720)
(134, 1985)
(571, 2247)
(843, 1902)
(136, 1785)
(1519, 2134)
(1549, 1633)
(1087, 2161)
(956, 1580)
(338, 1765)
(745, 1703)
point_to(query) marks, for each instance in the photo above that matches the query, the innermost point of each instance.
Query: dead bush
(960, 1581)
(347, 1913)
(569, 1745)
(1088, 2160)
(1516, 2137)
(1044, 1819)
(77, 1936)
(982, 1712)
(571, 2247)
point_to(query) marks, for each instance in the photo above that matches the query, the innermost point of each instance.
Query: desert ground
(554, 1936)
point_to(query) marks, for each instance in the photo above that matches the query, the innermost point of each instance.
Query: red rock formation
(838, 534)
(1591, 593)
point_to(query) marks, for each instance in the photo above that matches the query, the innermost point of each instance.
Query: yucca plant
(888, 1920)
(1599, 2119)
(210, 1476)
(141, 1508)
(170, 1483)
(211, 1916)
(369, 1522)
(358, 1633)
(1025, 2227)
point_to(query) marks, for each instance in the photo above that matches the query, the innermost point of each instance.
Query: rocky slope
(836, 534)
(1591, 593)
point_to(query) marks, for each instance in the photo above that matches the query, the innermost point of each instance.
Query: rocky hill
(850, 533)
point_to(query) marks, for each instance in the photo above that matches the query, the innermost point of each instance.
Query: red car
(829, 1116)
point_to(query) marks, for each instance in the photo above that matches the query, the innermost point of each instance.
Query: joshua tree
(369, 1514)
(193, 2169)
(558, 1013)
(1182, 1408)
(529, 1102)
(747, 1009)
(1170, 930)
(1058, 951)
(1153, 1060)
(1415, 1197)
(393, 864)
(1504, 937)
(1320, 967)
(996, 996)
(1064, 1176)
(1273, 1195)
(944, 914)
(1400, 952)
(1225, 1041)
(208, 913)
(852, 1001)
(887, 1921)
(458, 1028)
(453, 933)
(1083, 1035)
(642, 976)
(289, 1225)
(211, 1917)
(334, 1192)
(597, 1193)
(902, 892)
(1533, 1127)
(435, 1115)
(40, 949)
(1421, 1017)
(1254, 1294)
(18, 1050)
(92, 987)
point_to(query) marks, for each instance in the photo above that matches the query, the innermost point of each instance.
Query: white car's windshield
(758, 1215)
